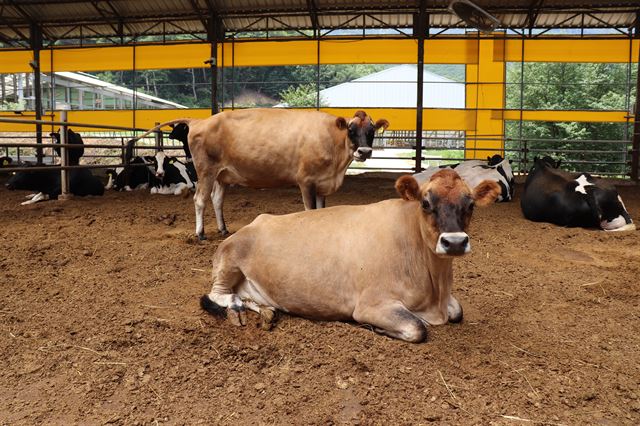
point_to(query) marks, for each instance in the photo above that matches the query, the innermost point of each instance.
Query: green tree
(571, 86)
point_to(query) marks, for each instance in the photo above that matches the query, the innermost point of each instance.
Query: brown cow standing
(387, 264)
(266, 148)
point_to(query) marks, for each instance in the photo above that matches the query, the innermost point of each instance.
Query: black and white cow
(473, 172)
(172, 176)
(46, 183)
(141, 175)
(572, 199)
(180, 132)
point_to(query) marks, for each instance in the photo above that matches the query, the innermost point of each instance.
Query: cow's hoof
(224, 232)
(202, 237)
(237, 316)
(456, 317)
(268, 318)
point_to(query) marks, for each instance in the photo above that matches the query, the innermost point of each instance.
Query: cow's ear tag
(171, 162)
(5, 163)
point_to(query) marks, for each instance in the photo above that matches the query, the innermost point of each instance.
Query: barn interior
(99, 307)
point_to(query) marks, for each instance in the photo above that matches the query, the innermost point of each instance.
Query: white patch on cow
(623, 206)
(40, 196)
(614, 224)
(251, 290)
(127, 188)
(582, 184)
(119, 170)
(30, 196)
(183, 172)
(109, 184)
(441, 249)
(160, 156)
(143, 186)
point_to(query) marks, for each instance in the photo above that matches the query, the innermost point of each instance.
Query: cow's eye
(426, 206)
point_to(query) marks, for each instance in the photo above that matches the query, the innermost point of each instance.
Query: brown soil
(100, 323)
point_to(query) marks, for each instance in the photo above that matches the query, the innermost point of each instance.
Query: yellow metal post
(485, 97)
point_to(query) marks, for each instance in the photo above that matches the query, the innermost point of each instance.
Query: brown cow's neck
(439, 279)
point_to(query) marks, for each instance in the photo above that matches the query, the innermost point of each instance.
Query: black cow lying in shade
(46, 184)
(572, 199)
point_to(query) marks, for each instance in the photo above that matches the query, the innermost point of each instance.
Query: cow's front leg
(454, 310)
(393, 319)
(308, 195)
(320, 199)
(217, 198)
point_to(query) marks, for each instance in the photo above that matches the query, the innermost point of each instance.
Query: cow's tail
(131, 143)
(212, 307)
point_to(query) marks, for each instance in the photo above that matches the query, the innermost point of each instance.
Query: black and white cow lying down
(46, 183)
(572, 199)
(473, 172)
(161, 173)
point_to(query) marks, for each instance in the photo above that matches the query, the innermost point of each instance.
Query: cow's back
(266, 147)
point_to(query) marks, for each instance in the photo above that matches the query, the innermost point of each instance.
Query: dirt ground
(100, 323)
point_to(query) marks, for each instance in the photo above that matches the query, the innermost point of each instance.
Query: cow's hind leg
(320, 201)
(392, 319)
(221, 300)
(199, 200)
(217, 198)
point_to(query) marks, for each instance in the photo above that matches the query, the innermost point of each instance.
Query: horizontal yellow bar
(573, 50)
(13, 61)
(583, 116)
(304, 52)
(399, 119)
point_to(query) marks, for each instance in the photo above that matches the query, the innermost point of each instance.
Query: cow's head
(160, 161)
(360, 130)
(606, 204)
(180, 132)
(74, 154)
(446, 204)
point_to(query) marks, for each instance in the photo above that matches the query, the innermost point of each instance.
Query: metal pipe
(64, 157)
(635, 147)
(36, 45)
(420, 28)
(60, 123)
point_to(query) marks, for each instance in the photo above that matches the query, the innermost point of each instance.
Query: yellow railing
(485, 59)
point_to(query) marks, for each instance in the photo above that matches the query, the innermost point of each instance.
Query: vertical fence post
(158, 137)
(420, 26)
(635, 150)
(64, 156)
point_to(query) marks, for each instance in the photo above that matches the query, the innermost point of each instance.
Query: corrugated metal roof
(72, 19)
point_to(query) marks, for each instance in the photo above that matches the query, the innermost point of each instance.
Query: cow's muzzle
(453, 244)
(362, 154)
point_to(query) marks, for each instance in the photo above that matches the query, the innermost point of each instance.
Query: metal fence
(393, 151)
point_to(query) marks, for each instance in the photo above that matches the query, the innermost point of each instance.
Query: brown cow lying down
(267, 148)
(387, 264)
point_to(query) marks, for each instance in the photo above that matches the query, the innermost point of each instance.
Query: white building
(395, 87)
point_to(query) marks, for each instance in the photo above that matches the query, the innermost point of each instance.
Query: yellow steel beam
(485, 95)
(572, 49)
(399, 118)
(583, 116)
(304, 52)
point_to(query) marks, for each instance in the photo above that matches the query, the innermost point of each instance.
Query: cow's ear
(486, 192)
(408, 188)
(341, 123)
(382, 123)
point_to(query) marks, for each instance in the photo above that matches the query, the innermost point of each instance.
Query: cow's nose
(453, 243)
(364, 152)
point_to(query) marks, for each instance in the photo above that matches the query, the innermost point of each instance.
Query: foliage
(571, 86)
(301, 96)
